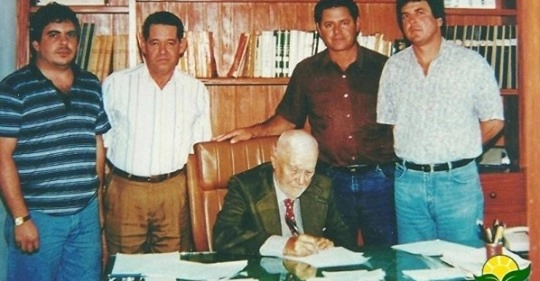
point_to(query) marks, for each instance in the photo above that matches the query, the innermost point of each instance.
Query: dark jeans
(366, 200)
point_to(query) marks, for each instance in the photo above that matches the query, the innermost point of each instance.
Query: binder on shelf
(71, 2)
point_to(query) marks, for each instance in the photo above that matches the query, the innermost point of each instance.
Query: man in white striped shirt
(157, 114)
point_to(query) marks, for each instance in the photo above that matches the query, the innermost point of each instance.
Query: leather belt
(435, 167)
(150, 179)
(355, 169)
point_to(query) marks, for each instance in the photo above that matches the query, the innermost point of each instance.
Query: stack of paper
(473, 261)
(443, 273)
(336, 256)
(352, 275)
(432, 247)
(467, 261)
(169, 265)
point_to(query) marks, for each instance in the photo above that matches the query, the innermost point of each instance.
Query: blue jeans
(445, 205)
(366, 201)
(69, 248)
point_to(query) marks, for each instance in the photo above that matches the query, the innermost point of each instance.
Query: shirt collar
(147, 75)
(325, 60)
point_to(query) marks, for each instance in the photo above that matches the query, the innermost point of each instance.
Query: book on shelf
(105, 57)
(206, 58)
(471, 4)
(199, 60)
(189, 56)
(93, 62)
(210, 56)
(267, 54)
(278, 60)
(71, 2)
(286, 49)
(248, 69)
(120, 52)
(85, 44)
(201, 46)
(239, 55)
(275, 53)
(377, 43)
(496, 43)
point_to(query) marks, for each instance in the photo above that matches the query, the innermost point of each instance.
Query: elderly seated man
(282, 207)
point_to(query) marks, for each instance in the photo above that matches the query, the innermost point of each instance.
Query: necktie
(289, 216)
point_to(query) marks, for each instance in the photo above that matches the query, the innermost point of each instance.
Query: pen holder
(493, 249)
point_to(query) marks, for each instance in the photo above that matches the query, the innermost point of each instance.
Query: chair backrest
(209, 170)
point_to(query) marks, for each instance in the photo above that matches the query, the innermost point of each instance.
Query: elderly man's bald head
(294, 160)
(296, 142)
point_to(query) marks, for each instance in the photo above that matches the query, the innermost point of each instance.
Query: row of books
(70, 2)
(275, 53)
(199, 59)
(496, 43)
(470, 4)
(101, 54)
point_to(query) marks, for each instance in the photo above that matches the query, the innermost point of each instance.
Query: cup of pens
(493, 249)
(493, 238)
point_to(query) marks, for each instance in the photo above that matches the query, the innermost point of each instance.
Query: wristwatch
(21, 220)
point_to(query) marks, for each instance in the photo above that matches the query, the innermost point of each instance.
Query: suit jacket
(250, 213)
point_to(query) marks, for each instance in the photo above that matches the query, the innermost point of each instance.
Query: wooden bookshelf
(243, 101)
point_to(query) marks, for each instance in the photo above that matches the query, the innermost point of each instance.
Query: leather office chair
(208, 171)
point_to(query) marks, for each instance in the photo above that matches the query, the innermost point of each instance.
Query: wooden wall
(530, 103)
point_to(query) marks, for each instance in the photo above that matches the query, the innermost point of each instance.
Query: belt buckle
(357, 167)
(158, 178)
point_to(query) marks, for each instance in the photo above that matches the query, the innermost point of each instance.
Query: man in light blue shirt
(444, 103)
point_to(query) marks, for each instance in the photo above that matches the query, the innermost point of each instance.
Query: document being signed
(336, 256)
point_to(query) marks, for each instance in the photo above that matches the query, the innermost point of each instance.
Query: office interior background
(531, 151)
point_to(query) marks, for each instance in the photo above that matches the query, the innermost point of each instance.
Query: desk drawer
(504, 198)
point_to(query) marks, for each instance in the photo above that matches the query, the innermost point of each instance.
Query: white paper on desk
(169, 265)
(446, 273)
(336, 256)
(473, 261)
(432, 247)
(145, 264)
(159, 278)
(209, 271)
(354, 275)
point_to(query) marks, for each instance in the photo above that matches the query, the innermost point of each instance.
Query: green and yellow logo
(503, 268)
